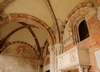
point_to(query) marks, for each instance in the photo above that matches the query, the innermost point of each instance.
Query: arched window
(79, 30)
(83, 30)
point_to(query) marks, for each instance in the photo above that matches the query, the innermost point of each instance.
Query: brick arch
(28, 19)
(80, 5)
(74, 19)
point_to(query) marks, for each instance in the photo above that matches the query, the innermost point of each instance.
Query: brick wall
(92, 43)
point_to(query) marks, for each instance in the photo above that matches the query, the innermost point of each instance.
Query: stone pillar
(80, 68)
(58, 48)
(52, 58)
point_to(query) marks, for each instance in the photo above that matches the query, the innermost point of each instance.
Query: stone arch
(75, 31)
(28, 19)
(45, 50)
(80, 14)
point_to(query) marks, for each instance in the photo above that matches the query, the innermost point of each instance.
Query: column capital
(51, 48)
(58, 47)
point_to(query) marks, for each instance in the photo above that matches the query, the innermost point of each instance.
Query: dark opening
(48, 71)
(83, 30)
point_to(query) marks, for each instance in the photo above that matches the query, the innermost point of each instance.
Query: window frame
(75, 30)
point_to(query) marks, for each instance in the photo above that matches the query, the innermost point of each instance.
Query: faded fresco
(18, 58)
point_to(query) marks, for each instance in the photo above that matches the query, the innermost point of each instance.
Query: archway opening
(83, 30)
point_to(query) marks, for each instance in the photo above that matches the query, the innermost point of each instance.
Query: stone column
(58, 49)
(80, 68)
(52, 58)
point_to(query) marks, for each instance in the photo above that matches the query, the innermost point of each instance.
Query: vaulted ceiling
(39, 9)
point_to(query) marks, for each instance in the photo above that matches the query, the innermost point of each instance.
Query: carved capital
(51, 48)
(58, 48)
